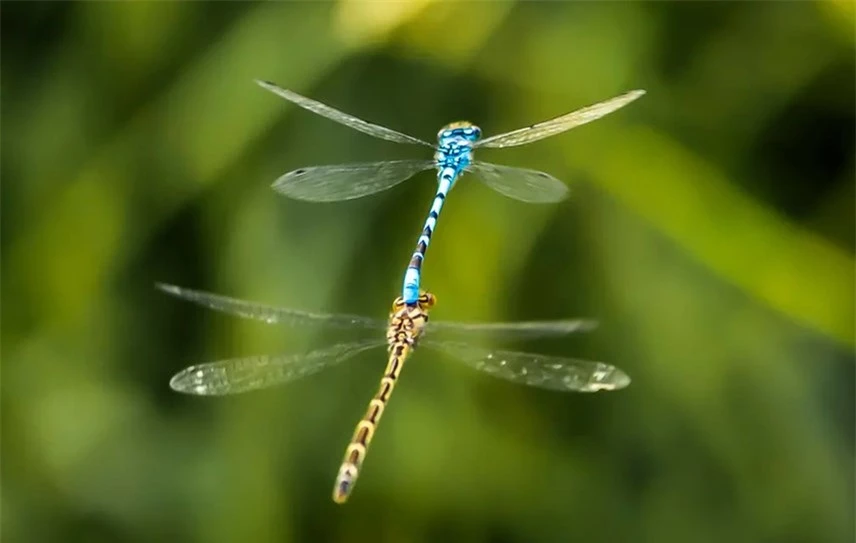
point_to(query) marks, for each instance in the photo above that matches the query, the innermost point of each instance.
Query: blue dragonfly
(453, 157)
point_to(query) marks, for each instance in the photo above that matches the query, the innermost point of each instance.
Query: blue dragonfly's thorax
(455, 145)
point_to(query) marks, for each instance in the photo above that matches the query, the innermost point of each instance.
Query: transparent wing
(270, 314)
(347, 181)
(238, 375)
(560, 124)
(550, 372)
(509, 331)
(340, 117)
(526, 185)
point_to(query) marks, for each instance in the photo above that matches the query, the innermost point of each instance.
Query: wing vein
(537, 370)
(341, 117)
(337, 182)
(270, 314)
(560, 124)
(238, 375)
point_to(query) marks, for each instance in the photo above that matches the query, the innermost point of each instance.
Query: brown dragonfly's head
(425, 302)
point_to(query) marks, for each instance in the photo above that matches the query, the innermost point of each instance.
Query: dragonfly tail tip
(345, 482)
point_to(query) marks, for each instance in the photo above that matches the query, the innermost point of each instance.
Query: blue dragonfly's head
(456, 131)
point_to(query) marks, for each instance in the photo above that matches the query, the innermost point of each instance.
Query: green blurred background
(711, 231)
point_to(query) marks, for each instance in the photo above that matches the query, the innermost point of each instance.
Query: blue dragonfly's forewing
(341, 117)
(560, 124)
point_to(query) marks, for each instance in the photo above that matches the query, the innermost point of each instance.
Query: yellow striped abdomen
(406, 323)
(356, 451)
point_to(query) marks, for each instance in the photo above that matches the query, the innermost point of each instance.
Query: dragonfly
(453, 156)
(405, 328)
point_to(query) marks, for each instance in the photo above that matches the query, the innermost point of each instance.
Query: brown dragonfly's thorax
(407, 321)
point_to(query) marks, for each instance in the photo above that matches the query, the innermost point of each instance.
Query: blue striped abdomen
(454, 154)
(446, 179)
